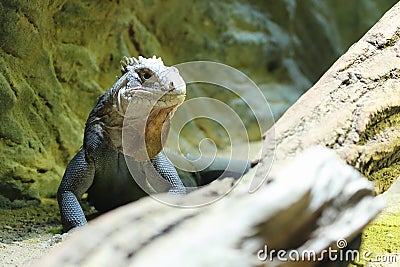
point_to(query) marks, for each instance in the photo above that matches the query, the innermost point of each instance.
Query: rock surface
(57, 57)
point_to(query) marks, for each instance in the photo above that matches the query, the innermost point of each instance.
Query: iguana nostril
(171, 86)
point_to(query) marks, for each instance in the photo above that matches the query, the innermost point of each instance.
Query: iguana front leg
(77, 179)
(167, 170)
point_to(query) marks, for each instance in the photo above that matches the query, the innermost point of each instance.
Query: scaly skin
(152, 91)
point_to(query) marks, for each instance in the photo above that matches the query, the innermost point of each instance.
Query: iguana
(152, 91)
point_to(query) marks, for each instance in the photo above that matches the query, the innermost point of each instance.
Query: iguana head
(145, 97)
(149, 83)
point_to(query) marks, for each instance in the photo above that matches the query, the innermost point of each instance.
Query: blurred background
(57, 57)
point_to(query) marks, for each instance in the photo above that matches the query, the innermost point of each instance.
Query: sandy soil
(25, 252)
(26, 233)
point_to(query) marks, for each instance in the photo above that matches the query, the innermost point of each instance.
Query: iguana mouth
(152, 97)
(146, 98)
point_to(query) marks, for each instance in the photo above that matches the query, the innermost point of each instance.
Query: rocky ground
(26, 233)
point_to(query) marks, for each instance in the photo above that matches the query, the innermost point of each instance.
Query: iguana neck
(141, 139)
(157, 130)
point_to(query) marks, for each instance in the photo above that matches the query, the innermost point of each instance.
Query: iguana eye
(145, 74)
